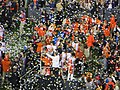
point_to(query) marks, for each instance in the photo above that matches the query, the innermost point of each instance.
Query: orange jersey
(106, 52)
(39, 47)
(89, 20)
(107, 85)
(67, 21)
(70, 66)
(6, 64)
(98, 21)
(73, 37)
(46, 60)
(85, 28)
(79, 54)
(36, 28)
(41, 32)
(107, 32)
(76, 26)
(112, 22)
(90, 41)
(48, 40)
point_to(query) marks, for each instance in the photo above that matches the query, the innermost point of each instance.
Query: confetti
(67, 56)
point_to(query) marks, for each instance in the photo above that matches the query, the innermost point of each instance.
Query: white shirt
(68, 55)
(1, 31)
(50, 28)
(117, 88)
(75, 45)
(118, 29)
(58, 43)
(63, 56)
(87, 52)
(110, 6)
(54, 47)
(55, 60)
(71, 64)
(73, 59)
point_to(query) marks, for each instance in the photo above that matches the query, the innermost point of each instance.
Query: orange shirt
(90, 20)
(76, 26)
(41, 32)
(103, 27)
(6, 64)
(106, 52)
(48, 40)
(90, 41)
(73, 37)
(112, 22)
(83, 17)
(47, 61)
(36, 28)
(70, 66)
(113, 25)
(107, 32)
(79, 54)
(98, 21)
(107, 85)
(85, 28)
(39, 47)
(67, 21)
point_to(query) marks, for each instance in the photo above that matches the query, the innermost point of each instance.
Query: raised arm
(50, 56)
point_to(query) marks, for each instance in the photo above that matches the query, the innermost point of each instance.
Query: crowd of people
(61, 43)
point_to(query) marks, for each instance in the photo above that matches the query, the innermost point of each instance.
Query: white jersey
(64, 55)
(0, 54)
(110, 6)
(68, 55)
(75, 45)
(58, 43)
(118, 28)
(55, 60)
(54, 47)
(73, 60)
(87, 52)
(1, 31)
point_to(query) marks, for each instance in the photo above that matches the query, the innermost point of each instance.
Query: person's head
(6, 57)
(16, 59)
